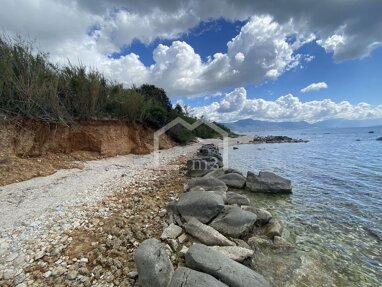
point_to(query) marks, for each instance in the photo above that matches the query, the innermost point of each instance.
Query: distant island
(250, 125)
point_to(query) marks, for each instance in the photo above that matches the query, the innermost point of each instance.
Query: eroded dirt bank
(34, 148)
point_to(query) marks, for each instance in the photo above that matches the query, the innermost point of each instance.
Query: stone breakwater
(212, 233)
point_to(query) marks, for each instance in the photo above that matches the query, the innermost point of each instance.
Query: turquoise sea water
(335, 212)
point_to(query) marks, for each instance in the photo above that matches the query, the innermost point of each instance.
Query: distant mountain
(249, 125)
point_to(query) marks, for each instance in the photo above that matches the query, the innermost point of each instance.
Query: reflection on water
(335, 213)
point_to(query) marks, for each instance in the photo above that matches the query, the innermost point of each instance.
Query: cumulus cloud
(285, 108)
(89, 31)
(314, 87)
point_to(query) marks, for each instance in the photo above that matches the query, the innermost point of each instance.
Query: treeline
(32, 87)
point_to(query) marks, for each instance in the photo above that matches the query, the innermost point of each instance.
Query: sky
(225, 60)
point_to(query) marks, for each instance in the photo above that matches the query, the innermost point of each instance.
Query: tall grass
(32, 87)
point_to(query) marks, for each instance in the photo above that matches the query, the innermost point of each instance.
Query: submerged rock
(202, 205)
(268, 182)
(263, 216)
(235, 198)
(206, 234)
(233, 180)
(234, 222)
(274, 228)
(379, 139)
(202, 258)
(185, 277)
(153, 264)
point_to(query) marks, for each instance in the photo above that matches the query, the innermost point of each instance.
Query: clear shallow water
(335, 211)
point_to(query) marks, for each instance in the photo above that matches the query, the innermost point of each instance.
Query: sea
(334, 216)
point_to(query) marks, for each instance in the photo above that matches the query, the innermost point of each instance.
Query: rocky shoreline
(212, 233)
(276, 139)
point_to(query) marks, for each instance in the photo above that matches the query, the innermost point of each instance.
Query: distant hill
(249, 125)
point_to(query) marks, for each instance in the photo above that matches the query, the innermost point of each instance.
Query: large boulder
(202, 205)
(233, 180)
(235, 198)
(153, 264)
(202, 258)
(263, 216)
(234, 222)
(268, 182)
(206, 234)
(236, 253)
(185, 277)
(206, 184)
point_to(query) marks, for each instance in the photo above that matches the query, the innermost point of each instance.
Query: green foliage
(31, 87)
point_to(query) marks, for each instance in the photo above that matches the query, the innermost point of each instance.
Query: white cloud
(285, 108)
(90, 30)
(314, 87)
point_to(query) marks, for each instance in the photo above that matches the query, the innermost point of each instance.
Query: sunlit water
(335, 212)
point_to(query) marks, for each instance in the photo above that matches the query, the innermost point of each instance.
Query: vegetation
(32, 87)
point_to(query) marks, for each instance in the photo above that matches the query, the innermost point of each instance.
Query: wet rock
(234, 180)
(171, 232)
(379, 139)
(236, 253)
(153, 264)
(204, 259)
(206, 234)
(206, 184)
(235, 198)
(202, 205)
(234, 222)
(185, 277)
(274, 228)
(263, 216)
(268, 182)
(133, 275)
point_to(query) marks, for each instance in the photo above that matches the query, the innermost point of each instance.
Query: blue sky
(227, 60)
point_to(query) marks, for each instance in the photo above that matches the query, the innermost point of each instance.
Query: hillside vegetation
(31, 87)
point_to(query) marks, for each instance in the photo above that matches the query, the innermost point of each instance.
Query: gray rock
(232, 170)
(202, 258)
(234, 222)
(185, 277)
(268, 182)
(215, 173)
(201, 166)
(171, 232)
(263, 216)
(206, 183)
(235, 198)
(206, 234)
(202, 205)
(234, 180)
(153, 264)
(236, 253)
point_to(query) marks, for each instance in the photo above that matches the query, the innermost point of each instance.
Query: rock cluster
(213, 231)
(276, 139)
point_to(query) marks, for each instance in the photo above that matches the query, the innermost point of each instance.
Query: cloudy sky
(227, 60)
